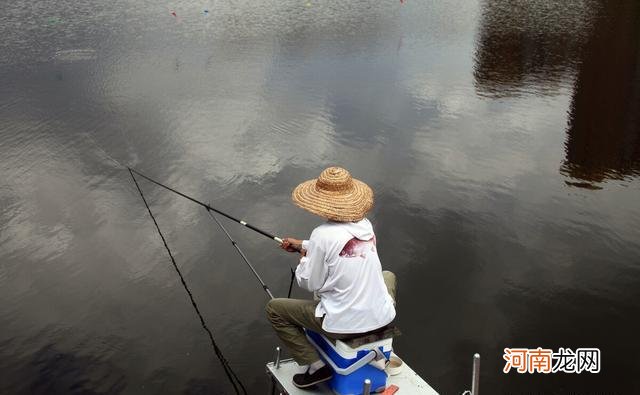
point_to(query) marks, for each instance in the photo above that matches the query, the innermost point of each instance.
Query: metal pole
(277, 362)
(367, 387)
(475, 378)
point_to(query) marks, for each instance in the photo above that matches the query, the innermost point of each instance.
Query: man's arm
(312, 271)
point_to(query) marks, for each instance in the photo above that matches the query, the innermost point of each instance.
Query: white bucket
(395, 365)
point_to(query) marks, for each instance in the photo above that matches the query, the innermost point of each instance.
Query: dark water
(501, 138)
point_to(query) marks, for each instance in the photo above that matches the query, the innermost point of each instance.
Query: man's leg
(288, 317)
(390, 282)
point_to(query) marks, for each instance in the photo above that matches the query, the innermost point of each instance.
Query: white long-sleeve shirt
(342, 267)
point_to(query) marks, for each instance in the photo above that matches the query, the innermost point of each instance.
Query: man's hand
(290, 244)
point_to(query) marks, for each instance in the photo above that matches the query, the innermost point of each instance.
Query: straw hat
(334, 195)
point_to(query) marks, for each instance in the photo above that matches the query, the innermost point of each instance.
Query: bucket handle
(371, 355)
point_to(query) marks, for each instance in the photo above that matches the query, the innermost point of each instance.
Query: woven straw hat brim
(344, 206)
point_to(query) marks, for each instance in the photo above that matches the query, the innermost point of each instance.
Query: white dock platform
(408, 382)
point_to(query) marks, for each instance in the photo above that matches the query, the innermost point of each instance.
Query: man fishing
(340, 265)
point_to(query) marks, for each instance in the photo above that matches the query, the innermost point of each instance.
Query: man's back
(343, 268)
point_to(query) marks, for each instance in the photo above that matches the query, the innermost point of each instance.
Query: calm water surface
(501, 138)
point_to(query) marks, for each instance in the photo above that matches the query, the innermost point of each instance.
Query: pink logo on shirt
(358, 248)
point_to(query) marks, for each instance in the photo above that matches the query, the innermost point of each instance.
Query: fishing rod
(264, 286)
(209, 208)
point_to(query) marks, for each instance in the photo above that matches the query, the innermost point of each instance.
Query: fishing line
(233, 378)
(111, 158)
(293, 275)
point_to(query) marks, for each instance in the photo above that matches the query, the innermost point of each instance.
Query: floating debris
(584, 185)
(74, 55)
(54, 20)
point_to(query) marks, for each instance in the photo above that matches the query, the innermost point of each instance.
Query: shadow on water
(603, 132)
(526, 46)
